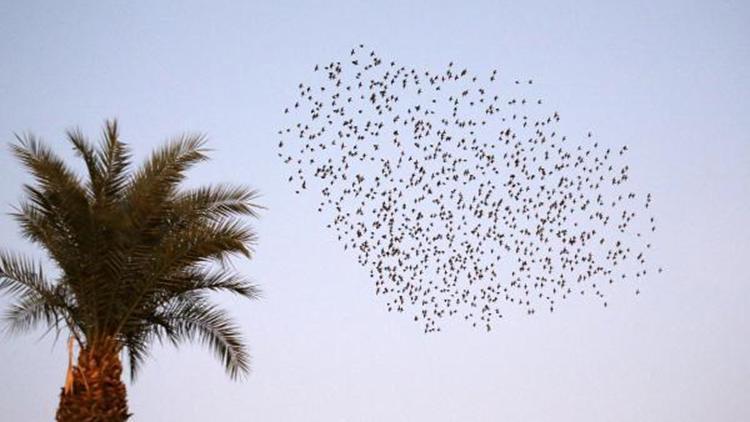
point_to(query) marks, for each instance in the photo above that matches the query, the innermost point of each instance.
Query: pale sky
(670, 79)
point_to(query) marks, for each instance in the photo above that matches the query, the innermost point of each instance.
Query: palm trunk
(96, 393)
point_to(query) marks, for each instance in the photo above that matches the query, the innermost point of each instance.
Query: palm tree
(137, 257)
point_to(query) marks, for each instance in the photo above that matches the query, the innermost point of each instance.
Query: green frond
(29, 312)
(201, 243)
(43, 227)
(88, 153)
(115, 158)
(202, 280)
(58, 199)
(47, 168)
(215, 240)
(211, 326)
(166, 168)
(217, 202)
(35, 299)
(136, 344)
(19, 276)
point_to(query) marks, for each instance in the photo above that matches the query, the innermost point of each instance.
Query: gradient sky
(671, 79)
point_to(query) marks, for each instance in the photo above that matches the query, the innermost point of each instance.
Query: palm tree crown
(138, 255)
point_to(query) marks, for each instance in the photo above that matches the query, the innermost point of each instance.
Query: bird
(459, 198)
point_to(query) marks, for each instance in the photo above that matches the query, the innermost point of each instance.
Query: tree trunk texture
(97, 393)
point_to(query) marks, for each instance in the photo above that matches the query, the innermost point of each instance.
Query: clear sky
(671, 79)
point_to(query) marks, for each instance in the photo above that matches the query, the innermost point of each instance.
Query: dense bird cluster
(457, 192)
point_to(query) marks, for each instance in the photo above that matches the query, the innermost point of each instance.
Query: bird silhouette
(458, 195)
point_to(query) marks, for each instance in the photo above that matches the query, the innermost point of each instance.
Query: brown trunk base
(98, 393)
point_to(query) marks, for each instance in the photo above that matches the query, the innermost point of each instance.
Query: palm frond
(115, 157)
(47, 168)
(59, 202)
(29, 312)
(217, 202)
(35, 299)
(198, 320)
(217, 280)
(165, 169)
(88, 153)
(193, 245)
(136, 344)
(40, 225)
(19, 275)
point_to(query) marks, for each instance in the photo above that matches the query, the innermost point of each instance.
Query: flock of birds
(457, 192)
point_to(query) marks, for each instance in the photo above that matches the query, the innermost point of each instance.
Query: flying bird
(460, 198)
